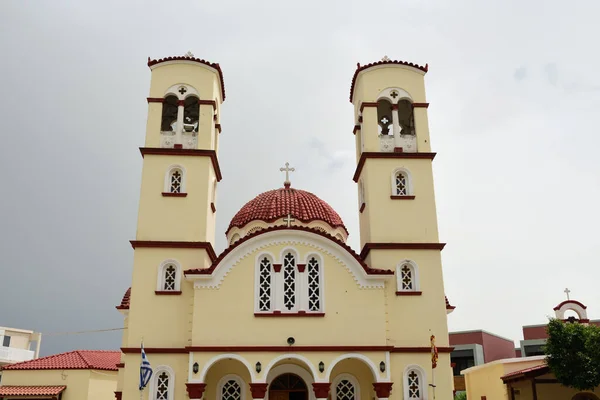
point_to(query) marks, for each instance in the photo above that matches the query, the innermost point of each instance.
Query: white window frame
(170, 171)
(347, 377)
(257, 309)
(304, 277)
(153, 381)
(422, 381)
(298, 284)
(160, 281)
(415, 276)
(227, 378)
(409, 181)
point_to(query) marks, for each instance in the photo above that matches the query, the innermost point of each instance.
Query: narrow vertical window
(264, 285)
(231, 390)
(175, 181)
(289, 281)
(384, 117)
(345, 390)
(414, 385)
(162, 386)
(314, 290)
(401, 184)
(170, 277)
(191, 112)
(169, 114)
(407, 278)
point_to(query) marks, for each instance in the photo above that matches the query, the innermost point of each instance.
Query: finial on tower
(189, 54)
(567, 291)
(287, 171)
(385, 58)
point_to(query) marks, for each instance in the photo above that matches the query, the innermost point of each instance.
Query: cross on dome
(385, 58)
(189, 54)
(288, 220)
(287, 171)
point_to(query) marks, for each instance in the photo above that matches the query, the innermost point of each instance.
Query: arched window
(169, 277)
(414, 383)
(169, 114)
(191, 113)
(345, 387)
(289, 282)
(384, 117)
(265, 283)
(401, 183)
(175, 180)
(406, 277)
(230, 387)
(406, 117)
(314, 284)
(162, 383)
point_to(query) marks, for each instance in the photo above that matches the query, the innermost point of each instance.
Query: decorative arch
(176, 90)
(341, 390)
(226, 356)
(402, 184)
(175, 179)
(414, 382)
(355, 356)
(160, 375)
(292, 369)
(407, 277)
(293, 356)
(169, 280)
(571, 305)
(394, 95)
(228, 384)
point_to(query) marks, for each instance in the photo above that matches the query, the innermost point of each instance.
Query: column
(321, 390)
(383, 390)
(195, 390)
(258, 390)
(396, 126)
(179, 126)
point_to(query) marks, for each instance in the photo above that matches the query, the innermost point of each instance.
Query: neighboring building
(473, 348)
(288, 311)
(76, 375)
(534, 336)
(16, 346)
(526, 378)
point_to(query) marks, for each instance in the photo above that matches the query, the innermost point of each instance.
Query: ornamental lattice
(264, 285)
(344, 390)
(401, 184)
(407, 278)
(231, 390)
(170, 272)
(314, 291)
(289, 281)
(414, 386)
(175, 181)
(162, 386)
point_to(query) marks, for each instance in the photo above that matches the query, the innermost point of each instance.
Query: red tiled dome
(275, 204)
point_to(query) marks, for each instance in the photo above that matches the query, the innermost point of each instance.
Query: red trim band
(356, 128)
(298, 314)
(402, 197)
(155, 99)
(169, 194)
(420, 105)
(161, 244)
(218, 127)
(362, 208)
(186, 152)
(368, 154)
(213, 208)
(167, 292)
(408, 293)
(245, 349)
(399, 246)
(367, 104)
(208, 103)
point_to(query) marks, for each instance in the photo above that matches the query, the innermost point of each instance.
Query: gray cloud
(520, 73)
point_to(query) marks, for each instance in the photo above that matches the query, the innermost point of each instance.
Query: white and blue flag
(145, 370)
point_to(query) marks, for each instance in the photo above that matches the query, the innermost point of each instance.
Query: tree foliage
(461, 396)
(573, 354)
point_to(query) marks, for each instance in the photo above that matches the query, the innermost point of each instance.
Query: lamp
(258, 367)
(195, 367)
(321, 366)
(382, 366)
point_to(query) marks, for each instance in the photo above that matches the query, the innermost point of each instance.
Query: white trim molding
(423, 385)
(175, 91)
(345, 377)
(160, 281)
(409, 181)
(414, 271)
(292, 369)
(225, 356)
(289, 238)
(401, 94)
(356, 356)
(292, 356)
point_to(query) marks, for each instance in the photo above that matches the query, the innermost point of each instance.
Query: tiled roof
(527, 372)
(210, 270)
(31, 390)
(274, 204)
(360, 68)
(125, 300)
(198, 60)
(78, 359)
(448, 305)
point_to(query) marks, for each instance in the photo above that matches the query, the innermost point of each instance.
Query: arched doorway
(288, 387)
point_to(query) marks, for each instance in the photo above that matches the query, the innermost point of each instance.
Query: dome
(270, 208)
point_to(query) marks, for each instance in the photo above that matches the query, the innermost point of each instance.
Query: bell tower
(397, 213)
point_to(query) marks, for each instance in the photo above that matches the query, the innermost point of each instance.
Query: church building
(288, 311)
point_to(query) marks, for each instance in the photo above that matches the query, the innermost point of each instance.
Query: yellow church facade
(288, 311)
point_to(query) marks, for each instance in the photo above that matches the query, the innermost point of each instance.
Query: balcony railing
(12, 355)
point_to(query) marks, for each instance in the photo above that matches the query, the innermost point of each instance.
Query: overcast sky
(514, 91)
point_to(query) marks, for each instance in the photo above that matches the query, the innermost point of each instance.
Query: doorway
(288, 387)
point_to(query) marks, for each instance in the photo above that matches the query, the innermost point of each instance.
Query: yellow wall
(131, 374)
(81, 384)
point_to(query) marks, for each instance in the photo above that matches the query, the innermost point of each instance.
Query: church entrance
(288, 387)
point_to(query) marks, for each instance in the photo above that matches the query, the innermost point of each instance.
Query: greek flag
(145, 370)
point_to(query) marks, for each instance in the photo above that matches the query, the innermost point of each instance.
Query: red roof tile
(78, 359)
(31, 390)
(527, 372)
(198, 60)
(125, 300)
(360, 68)
(274, 204)
(210, 270)
(448, 306)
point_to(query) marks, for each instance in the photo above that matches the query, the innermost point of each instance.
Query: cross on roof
(182, 90)
(287, 171)
(288, 220)
(567, 291)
